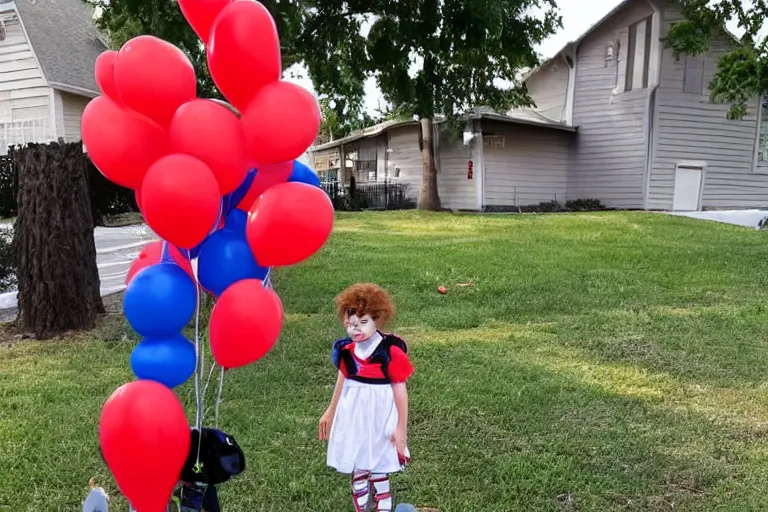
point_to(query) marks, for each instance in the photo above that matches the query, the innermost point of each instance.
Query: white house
(48, 50)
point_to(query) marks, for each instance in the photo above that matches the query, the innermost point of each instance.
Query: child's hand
(326, 421)
(400, 439)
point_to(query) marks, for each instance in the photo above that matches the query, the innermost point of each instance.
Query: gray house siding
(531, 168)
(404, 160)
(549, 87)
(690, 128)
(612, 140)
(455, 190)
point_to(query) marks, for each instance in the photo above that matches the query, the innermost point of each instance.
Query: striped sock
(361, 491)
(382, 493)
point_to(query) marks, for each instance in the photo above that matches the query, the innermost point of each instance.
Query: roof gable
(574, 44)
(65, 41)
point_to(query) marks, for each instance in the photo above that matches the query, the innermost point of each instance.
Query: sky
(577, 19)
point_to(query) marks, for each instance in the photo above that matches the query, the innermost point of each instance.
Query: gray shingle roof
(65, 41)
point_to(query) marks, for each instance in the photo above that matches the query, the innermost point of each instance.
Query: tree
(334, 126)
(53, 237)
(428, 57)
(742, 73)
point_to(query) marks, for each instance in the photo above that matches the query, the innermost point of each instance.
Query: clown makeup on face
(361, 328)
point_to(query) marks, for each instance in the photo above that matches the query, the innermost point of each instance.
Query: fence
(377, 195)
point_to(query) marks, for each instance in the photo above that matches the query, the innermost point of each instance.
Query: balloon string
(218, 395)
(198, 374)
(267, 282)
(207, 382)
(200, 362)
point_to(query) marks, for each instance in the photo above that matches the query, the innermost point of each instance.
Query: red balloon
(181, 200)
(289, 223)
(151, 254)
(145, 440)
(211, 132)
(201, 14)
(121, 143)
(244, 51)
(245, 323)
(267, 176)
(105, 74)
(154, 78)
(280, 123)
(137, 194)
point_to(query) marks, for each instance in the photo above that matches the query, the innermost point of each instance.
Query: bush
(547, 207)
(7, 260)
(107, 198)
(7, 188)
(574, 205)
(584, 205)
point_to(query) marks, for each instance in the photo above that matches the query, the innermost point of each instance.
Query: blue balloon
(236, 221)
(160, 301)
(226, 258)
(232, 199)
(194, 252)
(303, 174)
(169, 361)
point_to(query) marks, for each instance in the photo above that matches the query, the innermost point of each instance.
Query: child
(366, 422)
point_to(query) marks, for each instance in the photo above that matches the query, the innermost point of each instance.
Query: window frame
(762, 117)
(629, 73)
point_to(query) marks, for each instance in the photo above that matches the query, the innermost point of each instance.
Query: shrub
(7, 260)
(546, 207)
(7, 188)
(584, 205)
(107, 198)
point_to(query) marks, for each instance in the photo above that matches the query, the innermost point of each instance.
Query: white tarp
(116, 248)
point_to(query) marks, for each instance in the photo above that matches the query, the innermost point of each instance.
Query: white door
(687, 189)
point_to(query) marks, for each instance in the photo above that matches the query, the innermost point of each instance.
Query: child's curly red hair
(366, 299)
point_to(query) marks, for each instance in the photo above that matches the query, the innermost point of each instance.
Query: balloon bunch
(215, 186)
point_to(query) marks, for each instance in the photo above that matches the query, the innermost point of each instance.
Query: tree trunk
(429, 199)
(55, 249)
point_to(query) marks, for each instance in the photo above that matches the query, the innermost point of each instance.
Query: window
(762, 137)
(611, 54)
(638, 54)
(693, 75)
(493, 141)
(331, 175)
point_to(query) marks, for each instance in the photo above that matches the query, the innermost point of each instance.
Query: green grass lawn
(590, 362)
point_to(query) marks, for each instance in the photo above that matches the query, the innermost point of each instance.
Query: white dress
(365, 419)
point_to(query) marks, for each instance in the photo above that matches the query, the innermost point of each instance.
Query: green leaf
(742, 73)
